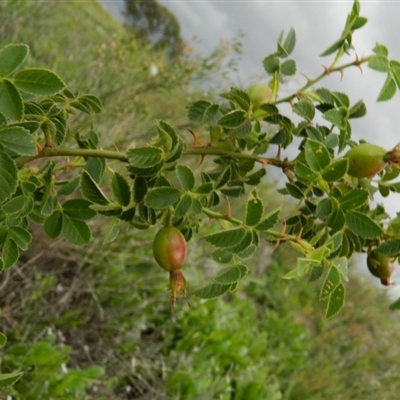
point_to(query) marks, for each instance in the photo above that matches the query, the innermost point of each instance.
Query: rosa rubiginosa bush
(55, 173)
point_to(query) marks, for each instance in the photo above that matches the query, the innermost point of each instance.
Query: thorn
(196, 140)
(278, 154)
(341, 74)
(358, 63)
(202, 157)
(327, 71)
(286, 171)
(264, 161)
(307, 78)
(278, 241)
(298, 237)
(228, 213)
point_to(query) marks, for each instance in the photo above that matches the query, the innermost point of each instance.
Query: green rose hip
(366, 160)
(169, 248)
(380, 266)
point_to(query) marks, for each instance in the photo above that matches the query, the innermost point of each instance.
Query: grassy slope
(110, 310)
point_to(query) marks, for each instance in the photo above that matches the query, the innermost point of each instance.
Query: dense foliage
(55, 175)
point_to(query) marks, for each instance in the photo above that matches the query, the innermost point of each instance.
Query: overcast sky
(317, 25)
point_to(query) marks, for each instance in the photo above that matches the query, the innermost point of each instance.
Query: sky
(317, 24)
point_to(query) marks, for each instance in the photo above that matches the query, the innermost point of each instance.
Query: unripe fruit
(366, 160)
(259, 94)
(380, 266)
(169, 248)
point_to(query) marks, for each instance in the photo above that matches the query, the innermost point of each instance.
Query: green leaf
(162, 197)
(288, 68)
(285, 47)
(232, 274)
(20, 236)
(358, 110)
(112, 233)
(109, 210)
(341, 264)
(334, 47)
(95, 167)
(342, 100)
(317, 155)
(75, 231)
(121, 190)
(183, 206)
(9, 379)
(168, 135)
(269, 221)
(185, 176)
(362, 225)
(254, 209)
(243, 245)
(232, 119)
(294, 190)
(11, 105)
(271, 64)
(337, 116)
(19, 140)
(331, 281)
(212, 291)
(222, 256)
(335, 301)
(240, 97)
(8, 177)
(335, 170)
(303, 265)
(223, 178)
(303, 172)
(205, 188)
(196, 110)
(324, 208)
(144, 157)
(14, 205)
(379, 63)
(354, 199)
(12, 56)
(10, 252)
(69, 187)
(53, 225)
(242, 130)
(336, 219)
(389, 248)
(333, 243)
(212, 114)
(325, 95)
(227, 238)
(91, 190)
(388, 90)
(304, 108)
(37, 81)
(78, 209)
(380, 50)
